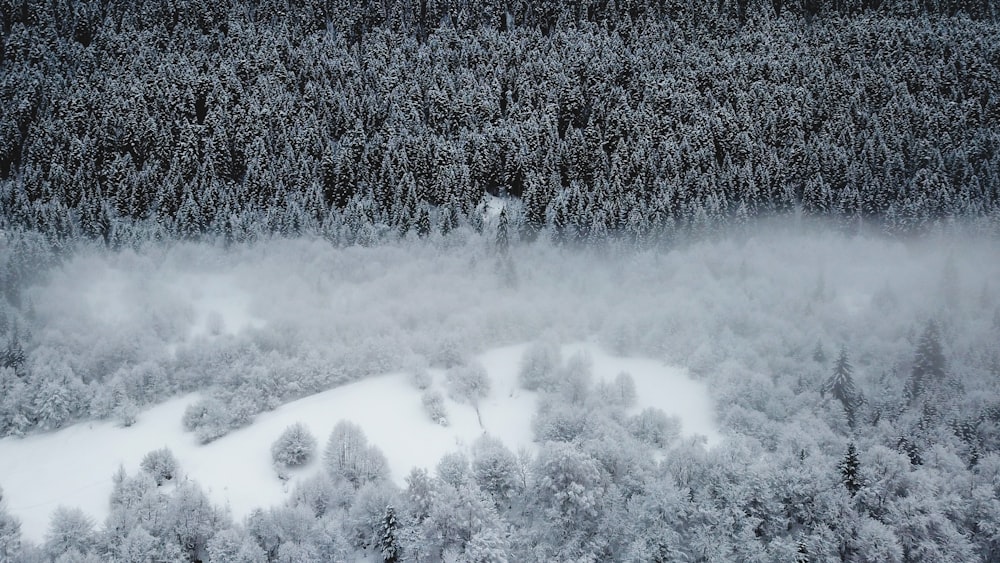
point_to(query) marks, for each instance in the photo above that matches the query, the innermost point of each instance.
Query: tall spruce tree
(388, 540)
(841, 386)
(848, 467)
(503, 232)
(928, 361)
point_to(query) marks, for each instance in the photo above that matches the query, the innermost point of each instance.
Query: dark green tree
(388, 540)
(848, 467)
(503, 232)
(819, 355)
(928, 361)
(841, 386)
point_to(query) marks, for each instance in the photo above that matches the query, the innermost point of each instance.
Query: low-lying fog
(263, 325)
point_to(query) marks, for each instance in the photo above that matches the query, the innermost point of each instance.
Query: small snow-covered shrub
(468, 383)
(654, 427)
(538, 365)
(160, 464)
(434, 407)
(294, 447)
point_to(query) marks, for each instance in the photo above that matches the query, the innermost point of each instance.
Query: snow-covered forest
(698, 280)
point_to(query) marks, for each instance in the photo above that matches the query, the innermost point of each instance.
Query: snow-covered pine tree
(848, 467)
(503, 232)
(388, 540)
(928, 361)
(840, 385)
(819, 355)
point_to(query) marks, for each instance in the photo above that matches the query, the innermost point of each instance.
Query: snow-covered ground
(73, 466)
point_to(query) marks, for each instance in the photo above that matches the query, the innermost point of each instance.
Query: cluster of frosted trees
(823, 461)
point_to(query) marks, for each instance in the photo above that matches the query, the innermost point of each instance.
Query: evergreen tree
(848, 467)
(840, 385)
(928, 361)
(388, 539)
(503, 232)
(819, 355)
(423, 223)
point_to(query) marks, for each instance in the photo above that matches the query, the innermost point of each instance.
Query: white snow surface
(74, 466)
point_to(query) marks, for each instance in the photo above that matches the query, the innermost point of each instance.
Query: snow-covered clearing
(73, 466)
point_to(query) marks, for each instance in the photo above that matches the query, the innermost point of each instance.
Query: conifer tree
(388, 541)
(841, 386)
(819, 355)
(503, 232)
(849, 470)
(928, 361)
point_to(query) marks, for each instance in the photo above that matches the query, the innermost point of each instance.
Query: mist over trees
(744, 317)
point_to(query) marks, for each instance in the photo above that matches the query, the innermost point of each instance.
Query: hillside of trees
(357, 121)
(854, 381)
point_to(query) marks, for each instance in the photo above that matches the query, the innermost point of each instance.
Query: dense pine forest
(798, 201)
(130, 121)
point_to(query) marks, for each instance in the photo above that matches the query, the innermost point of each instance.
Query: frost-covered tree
(70, 529)
(494, 468)
(624, 389)
(10, 533)
(387, 543)
(160, 464)
(539, 364)
(453, 468)
(349, 456)
(190, 520)
(363, 523)
(652, 426)
(137, 545)
(295, 446)
(208, 418)
(487, 546)
(568, 486)
(232, 545)
(574, 379)
(468, 383)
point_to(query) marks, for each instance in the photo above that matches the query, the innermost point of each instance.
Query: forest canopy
(129, 121)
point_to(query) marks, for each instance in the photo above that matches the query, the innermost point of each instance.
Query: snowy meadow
(545, 402)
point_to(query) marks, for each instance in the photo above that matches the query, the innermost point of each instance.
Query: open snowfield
(73, 466)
